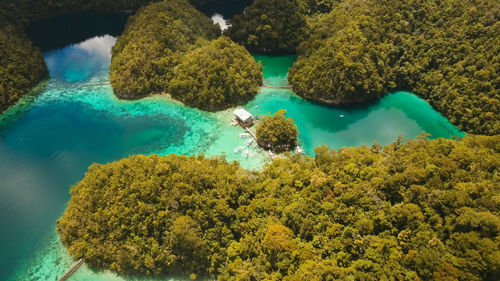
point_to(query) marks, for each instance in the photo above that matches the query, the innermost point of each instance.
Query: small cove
(47, 144)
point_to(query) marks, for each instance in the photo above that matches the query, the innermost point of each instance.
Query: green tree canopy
(21, 64)
(155, 215)
(417, 210)
(154, 42)
(216, 76)
(277, 132)
(269, 26)
(445, 51)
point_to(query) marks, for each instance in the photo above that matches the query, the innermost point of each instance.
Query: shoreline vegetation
(416, 210)
(277, 132)
(171, 47)
(447, 52)
(269, 27)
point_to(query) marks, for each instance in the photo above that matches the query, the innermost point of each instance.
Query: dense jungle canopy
(166, 48)
(416, 210)
(269, 26)
(155, 41)
(445, 51)
(216, 76)
(277, 132)
(21, 64)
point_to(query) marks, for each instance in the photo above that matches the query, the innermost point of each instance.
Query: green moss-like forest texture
(217, 76)
(21, 64)
(277, 132)
(421, 210)
(269, 26)
(167, 48)
(445, 51)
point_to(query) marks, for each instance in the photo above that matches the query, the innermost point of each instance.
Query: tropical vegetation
(269, 26)
(445, 51)
(154, 42)
(21, 64)
(277, 132)
(413, 210)
(170, 47)
(216, 76)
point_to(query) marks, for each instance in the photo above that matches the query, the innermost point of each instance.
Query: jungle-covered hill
(153, 43)
(219, 75)
(417, 210)
(269, 26)
(21, 64)
(170, 47)
(445, 51)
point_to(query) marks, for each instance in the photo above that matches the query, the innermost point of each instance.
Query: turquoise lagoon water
(47, 141)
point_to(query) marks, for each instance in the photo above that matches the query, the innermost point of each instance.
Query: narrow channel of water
(47, 144)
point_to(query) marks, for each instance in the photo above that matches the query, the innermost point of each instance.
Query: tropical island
(276, 132)
(414, 209)
(367, 50)
(445, 51)
(181, 56)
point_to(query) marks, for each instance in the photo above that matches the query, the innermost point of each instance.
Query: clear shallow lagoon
(47, 143)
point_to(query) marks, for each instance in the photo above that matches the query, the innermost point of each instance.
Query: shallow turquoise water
(47, 143)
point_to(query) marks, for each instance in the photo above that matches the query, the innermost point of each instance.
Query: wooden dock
(71, 270)
(251, 133)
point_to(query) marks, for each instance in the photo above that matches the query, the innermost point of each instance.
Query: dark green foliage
(28, 11)
(311, 7)
(422, 210)
(21, 64)
(269, 26)
(445, 51)
(277, 132)
(155, 215)
(216, 76)
(154, 41)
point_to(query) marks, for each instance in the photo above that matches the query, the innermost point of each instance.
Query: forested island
(412, 210)
(349, 51)
(416, 210)
(170, 47)
(445, 51)
(277, 132)
(21, 64)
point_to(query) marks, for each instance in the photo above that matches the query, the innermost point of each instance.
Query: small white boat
(246, 153)
(256, 106)
(244, 135)
(341, 115)
(249, 142)
(238, 149)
